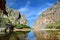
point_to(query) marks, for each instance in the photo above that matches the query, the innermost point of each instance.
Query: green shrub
(21, 26)
(55, 25)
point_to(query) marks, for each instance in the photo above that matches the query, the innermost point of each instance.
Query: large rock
(49, 16)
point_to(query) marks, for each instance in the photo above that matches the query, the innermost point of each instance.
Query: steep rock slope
(13, 15)
(49, 16)
(8, 15)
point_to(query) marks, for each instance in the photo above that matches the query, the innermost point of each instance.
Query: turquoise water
(31, 35)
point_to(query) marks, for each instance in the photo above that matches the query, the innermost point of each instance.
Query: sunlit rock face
(49, 16)
(23, 20)
(12, 14)
(10, 19)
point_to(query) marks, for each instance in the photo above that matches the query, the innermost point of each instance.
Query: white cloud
(32, 14)
(49, 4)
(24, 9)
(11, 3)
(28, 3)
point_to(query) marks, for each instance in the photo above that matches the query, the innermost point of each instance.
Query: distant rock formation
(49, 16)
(23, 20)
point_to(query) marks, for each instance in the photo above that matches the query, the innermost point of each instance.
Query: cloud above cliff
(31, 8)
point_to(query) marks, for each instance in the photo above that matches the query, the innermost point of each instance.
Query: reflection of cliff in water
(47, 35)
(14, 36)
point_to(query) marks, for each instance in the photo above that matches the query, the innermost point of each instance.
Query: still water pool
(31, 35)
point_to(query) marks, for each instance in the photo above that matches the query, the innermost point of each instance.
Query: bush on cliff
(55, 25)
(21, 26)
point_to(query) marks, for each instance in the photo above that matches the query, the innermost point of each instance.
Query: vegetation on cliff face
(6, 20)
(20, 26)
(10, 18)
(13, 15)
(55, 25)
(3, 21)
(49, 16)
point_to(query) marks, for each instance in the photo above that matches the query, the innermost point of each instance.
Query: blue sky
(31, 8)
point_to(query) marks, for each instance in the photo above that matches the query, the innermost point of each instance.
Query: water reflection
(14, 36)
(47, 35)
(31, 35)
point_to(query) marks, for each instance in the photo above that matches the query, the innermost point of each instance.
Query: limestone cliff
(10, 16)
(23, 20)
(13, 15)
(49, 16)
